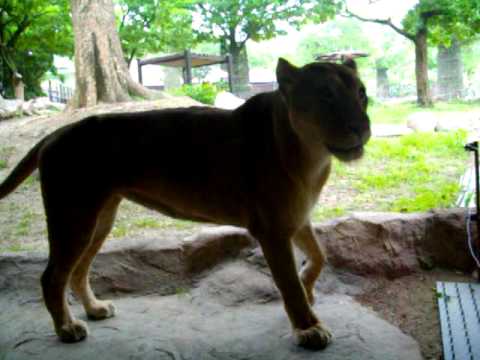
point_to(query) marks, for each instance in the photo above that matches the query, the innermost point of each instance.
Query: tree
(233, 23)
(101, 72)
(150, 26)
(418, 35)
(447, 14)
(450, 71)
(31, 33)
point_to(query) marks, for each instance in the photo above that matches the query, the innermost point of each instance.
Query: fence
(59, 93)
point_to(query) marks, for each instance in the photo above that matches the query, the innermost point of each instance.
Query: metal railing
(59, 93)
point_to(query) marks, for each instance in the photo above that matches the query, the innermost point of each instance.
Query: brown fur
(261, 166)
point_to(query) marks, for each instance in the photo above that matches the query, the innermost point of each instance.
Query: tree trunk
(450, 71)
(101, 73)
(240, 68)
(424, 97)
(383, 85)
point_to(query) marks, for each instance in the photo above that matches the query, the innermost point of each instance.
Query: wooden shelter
(340, 55)
(187, 61)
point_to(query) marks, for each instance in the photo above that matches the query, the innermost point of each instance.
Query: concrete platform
(233, 312)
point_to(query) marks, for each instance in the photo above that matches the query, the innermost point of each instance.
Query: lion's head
(327, 106)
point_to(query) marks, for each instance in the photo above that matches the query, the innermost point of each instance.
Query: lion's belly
(216, 201)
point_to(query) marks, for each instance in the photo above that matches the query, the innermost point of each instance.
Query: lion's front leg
(308, 330)
(306, 241)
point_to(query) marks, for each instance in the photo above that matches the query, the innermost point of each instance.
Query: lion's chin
(346, 154)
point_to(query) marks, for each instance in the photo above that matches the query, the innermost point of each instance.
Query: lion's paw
(315, 338)
(72, 332)
(101, 310)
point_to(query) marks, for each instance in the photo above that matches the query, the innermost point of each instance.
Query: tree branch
(20, 29)
(122, 22)
(387, 22)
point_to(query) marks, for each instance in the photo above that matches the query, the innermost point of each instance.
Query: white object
(228, 101)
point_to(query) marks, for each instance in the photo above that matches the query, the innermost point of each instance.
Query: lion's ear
(286, 76)
(349, 62)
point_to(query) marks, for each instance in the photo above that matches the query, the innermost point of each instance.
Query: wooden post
(139, 69)
(50, 91)
(229, 70)
(188, 67)
(19, 86)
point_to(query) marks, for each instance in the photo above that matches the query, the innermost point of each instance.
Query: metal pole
(477, 196)
(230, 70)
(476, 217)
(188, 67)
(50, 97)
(139, 69)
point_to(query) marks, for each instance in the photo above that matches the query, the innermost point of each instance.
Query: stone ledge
(383, 244)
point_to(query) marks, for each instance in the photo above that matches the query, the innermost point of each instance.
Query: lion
(261, 166)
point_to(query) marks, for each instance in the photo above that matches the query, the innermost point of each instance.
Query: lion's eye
(362, 93)
(325, 94)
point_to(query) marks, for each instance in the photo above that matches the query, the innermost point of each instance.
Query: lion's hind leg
(70, 231)
(79, 282)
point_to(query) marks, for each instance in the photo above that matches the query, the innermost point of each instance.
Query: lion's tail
(26, 166)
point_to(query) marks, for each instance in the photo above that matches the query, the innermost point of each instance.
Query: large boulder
(393, 245)
(10, 108)
(422, 121)
(228, 101)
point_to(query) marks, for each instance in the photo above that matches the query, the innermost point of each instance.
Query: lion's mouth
(346, 154)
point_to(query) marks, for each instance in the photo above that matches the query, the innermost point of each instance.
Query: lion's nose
(361, 129)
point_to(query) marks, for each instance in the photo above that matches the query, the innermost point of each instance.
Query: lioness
(261, 167)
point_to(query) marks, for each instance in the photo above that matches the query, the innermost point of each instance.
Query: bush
(204, 93)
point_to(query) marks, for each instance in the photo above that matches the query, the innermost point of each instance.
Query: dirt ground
(410, 303)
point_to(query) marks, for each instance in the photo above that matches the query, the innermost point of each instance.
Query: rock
(390, 245)
(445, 240)
(389, 130)
(422, 121)
(226, 100)
(44, 103)
(394, 245)
(204, 249)
(121, 265)
(232, 320)
(458, 122)
(10, 108)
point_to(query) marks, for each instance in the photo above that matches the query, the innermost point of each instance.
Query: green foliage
(232, 22)
(446, 18)
(151, 26)
(32, 31)
(237, 21)
(204, 93)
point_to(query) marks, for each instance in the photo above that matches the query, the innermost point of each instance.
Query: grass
(5, 153)
(24, 224)
(399, 113)
(416, 172)
(125, 225)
